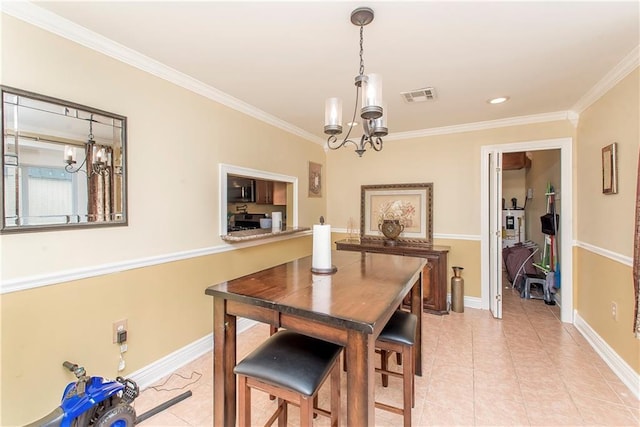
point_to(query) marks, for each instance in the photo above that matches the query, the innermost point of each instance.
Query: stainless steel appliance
(245, 221)
(241, 189)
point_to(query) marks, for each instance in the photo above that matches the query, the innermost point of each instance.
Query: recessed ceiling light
(352, 124)
(498, 100)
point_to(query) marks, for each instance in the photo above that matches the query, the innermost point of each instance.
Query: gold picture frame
(610, 169)
(315, 179)
(413, 203)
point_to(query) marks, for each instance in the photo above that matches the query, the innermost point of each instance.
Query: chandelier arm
(367, 125)
(355, 111)
(334, 145)
(376, 143)
(69, 167)
(332, 140)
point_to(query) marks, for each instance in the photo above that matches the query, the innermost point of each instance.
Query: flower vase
(391, 229)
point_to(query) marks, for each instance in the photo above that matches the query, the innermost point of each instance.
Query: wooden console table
(434, 276)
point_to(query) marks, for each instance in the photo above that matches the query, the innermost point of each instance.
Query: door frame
(494, 223)
(565, 145)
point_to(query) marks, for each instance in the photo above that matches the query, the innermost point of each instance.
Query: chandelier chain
(361, 51)
(91, 128)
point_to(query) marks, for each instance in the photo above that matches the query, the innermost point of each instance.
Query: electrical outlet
(120, 325)
(614, 310)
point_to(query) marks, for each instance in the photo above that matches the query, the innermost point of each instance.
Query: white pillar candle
(321, 258)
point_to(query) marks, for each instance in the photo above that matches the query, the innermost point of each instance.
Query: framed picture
(410, 204)
(610, 169)
(315, 179)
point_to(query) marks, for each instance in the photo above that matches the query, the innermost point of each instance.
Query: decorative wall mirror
(64, 164)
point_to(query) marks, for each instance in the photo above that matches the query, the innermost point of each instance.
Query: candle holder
(331, 270)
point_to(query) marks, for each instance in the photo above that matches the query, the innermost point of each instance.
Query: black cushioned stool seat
(401, 328)
(292, 367)
(399, 335)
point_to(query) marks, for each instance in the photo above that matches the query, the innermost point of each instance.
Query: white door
(490, 202)
(495, 234)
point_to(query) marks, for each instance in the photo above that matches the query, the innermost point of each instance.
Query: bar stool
(399, 335)
(292, 367)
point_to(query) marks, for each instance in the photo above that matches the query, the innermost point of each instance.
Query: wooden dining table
(349, 307)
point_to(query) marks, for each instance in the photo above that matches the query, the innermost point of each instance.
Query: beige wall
(513, 185)
(165, 304)
(176, 139)
(545, 168)
(607, 221)
(452, 163)
(463, 253)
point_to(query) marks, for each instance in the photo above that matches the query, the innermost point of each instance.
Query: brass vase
(457, 290)
(391, 229)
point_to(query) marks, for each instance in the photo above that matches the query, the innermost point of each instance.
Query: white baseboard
(161, 368)
(470, 302)
(473, 302)
(627, 375)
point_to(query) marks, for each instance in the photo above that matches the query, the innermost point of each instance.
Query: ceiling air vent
(419, 95)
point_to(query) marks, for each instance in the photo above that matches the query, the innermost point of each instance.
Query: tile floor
(527, 369)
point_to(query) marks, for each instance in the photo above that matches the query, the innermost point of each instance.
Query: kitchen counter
(260, 233)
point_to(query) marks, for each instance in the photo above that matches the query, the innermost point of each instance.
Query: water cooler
(512, 227)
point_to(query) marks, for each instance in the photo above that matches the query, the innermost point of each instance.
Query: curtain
(101, 189)
(636, 258)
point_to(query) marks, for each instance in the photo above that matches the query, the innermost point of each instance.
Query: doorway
(491, 221)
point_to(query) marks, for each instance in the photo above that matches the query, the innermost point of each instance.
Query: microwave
(241, 189)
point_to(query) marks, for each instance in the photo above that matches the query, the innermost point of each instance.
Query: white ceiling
(286, 58)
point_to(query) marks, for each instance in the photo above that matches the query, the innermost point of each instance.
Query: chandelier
(372, 110)
(99, 158)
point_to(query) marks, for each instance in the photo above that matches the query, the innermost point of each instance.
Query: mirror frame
(4, 229)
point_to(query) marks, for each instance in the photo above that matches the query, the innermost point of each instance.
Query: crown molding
(489, 124)
(573, 117)
(49, 21)
(620, 71)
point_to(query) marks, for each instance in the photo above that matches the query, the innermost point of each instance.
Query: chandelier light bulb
(333, 116)
(380, 124)
(371, 97)
(69, 154)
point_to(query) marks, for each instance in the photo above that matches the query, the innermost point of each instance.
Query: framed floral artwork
(409, 204)
(315, 179)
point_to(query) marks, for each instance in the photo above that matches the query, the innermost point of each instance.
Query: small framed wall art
(610, 169)
(315, 179)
